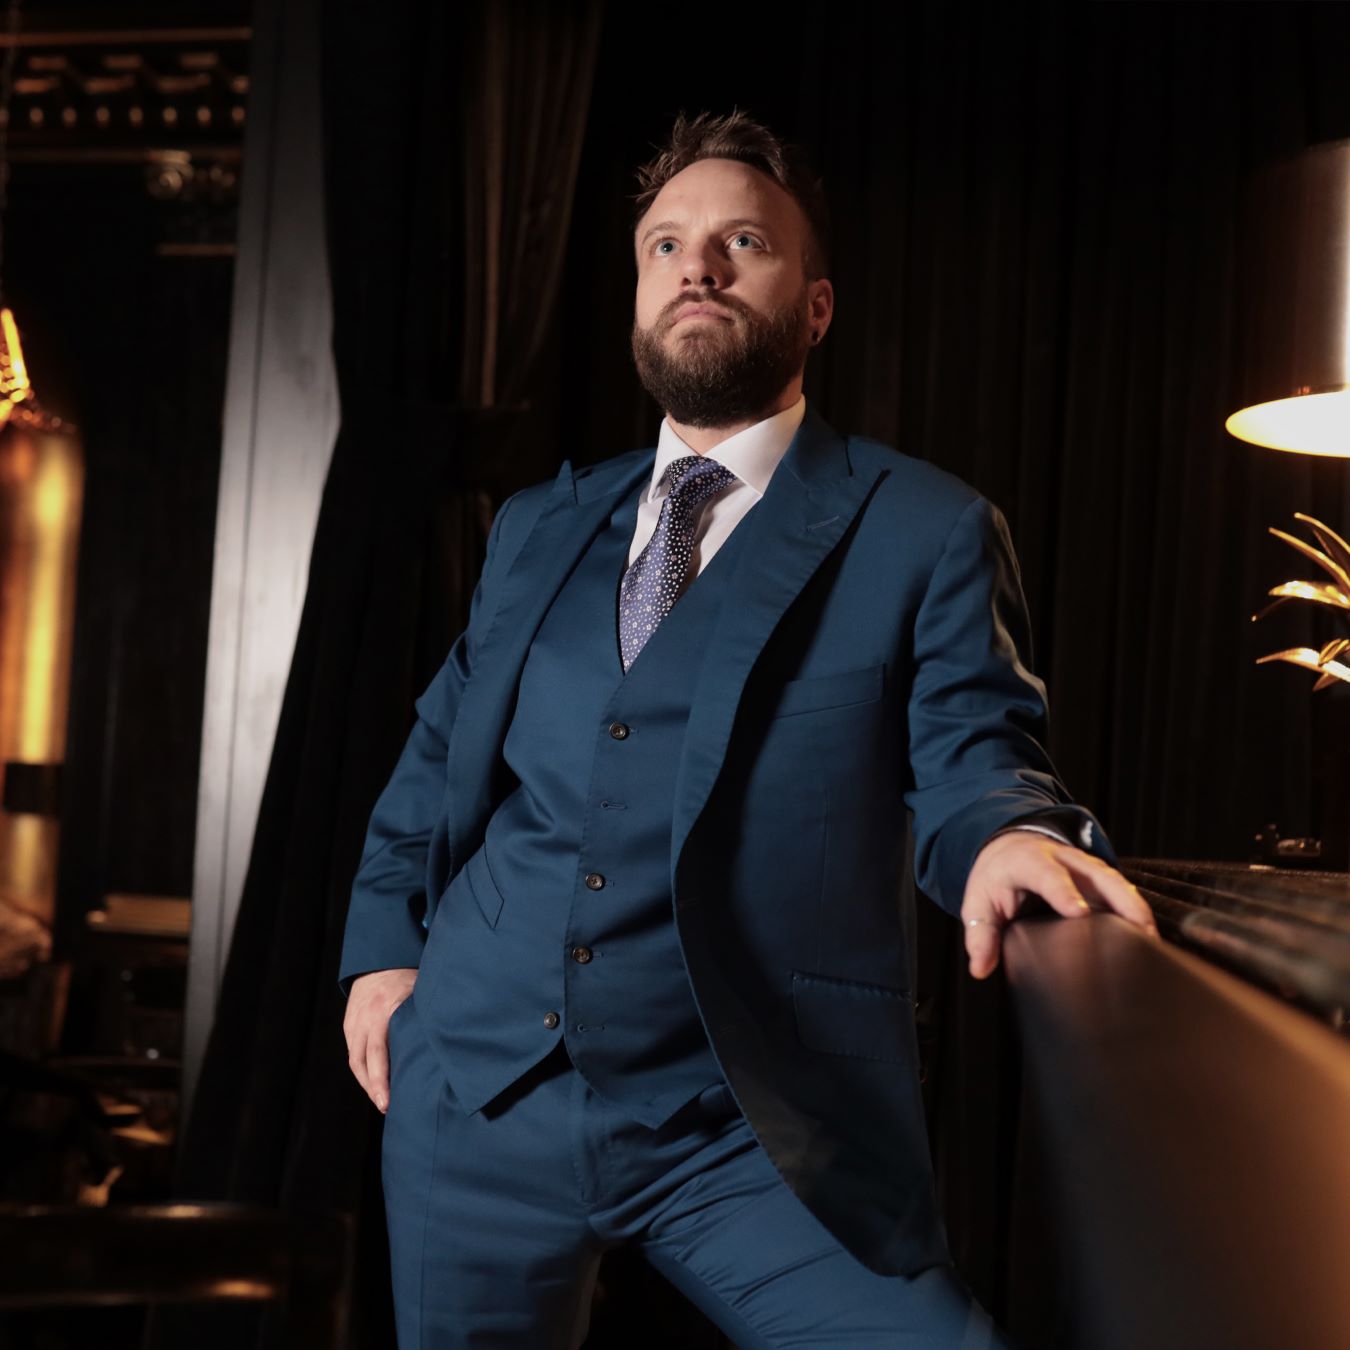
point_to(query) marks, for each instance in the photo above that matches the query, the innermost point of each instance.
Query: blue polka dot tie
(654, 582)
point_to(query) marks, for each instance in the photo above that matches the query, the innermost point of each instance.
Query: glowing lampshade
(1307, 424)
(1295, 301)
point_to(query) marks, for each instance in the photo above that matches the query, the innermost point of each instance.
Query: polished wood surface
(1192, 1131)
(1285, 929)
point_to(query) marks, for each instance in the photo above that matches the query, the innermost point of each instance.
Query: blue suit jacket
(868, 664)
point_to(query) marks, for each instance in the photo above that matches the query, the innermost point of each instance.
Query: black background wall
(1036, 233)
(1037, 220)
(1036, 212)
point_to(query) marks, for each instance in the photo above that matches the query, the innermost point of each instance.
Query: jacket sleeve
(977, 715)
(384, 920)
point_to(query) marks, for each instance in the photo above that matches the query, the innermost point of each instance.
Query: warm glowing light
(30, 864)
(240, 1289)
(13, 369)
(1310, 424)
(14, 384)
(41, 486)
(53, 508)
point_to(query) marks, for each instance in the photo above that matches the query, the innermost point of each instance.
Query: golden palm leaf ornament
(1332, 543)
(1334, 558)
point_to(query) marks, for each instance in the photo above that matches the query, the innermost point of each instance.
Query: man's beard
(722, 372)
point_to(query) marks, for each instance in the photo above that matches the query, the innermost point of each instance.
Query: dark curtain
(443, 202)
(1043, 295)
(1037, 220)
(1037, 229)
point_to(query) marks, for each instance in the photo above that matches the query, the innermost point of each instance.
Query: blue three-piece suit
(662, 919)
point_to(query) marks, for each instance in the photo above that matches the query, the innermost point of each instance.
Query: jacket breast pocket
(815, 692)
(845, 1017)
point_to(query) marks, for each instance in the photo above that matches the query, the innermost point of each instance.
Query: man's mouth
(702, 311)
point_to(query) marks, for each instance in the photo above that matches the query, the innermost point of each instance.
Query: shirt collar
(752, 455)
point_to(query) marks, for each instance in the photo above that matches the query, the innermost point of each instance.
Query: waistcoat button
(595, 881)
(618, 730)
(581, 955)
(551, 1020)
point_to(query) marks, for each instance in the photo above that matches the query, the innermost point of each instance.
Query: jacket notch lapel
(811, 501)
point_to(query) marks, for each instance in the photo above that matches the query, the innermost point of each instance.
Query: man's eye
(662, 243)
(745, 238)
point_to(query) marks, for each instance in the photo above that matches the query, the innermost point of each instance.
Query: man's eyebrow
(726, 225)
(658, 227)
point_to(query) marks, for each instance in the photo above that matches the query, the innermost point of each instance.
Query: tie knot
(697, 472)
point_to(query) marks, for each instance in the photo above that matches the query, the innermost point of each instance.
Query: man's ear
(820, 302)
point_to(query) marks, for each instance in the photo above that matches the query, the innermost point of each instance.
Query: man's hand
(1069, 880)
(370, 1004)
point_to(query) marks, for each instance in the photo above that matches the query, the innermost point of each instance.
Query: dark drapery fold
(519, 173)
(1036, 218)
(278, 1118)
(1047, 303)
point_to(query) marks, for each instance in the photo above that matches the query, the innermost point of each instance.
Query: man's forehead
(728, 191)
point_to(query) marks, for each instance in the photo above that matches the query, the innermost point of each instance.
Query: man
(629, 906)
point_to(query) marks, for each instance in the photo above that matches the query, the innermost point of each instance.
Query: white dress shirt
(752, 455)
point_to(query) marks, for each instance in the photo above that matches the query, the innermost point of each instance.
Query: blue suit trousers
(498, 1220)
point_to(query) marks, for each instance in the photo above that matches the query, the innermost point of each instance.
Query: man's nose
(705, 265)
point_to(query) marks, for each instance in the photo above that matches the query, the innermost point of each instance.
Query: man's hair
(737, 136)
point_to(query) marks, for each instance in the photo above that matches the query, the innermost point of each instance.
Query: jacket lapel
(811, 500)
(572, 515)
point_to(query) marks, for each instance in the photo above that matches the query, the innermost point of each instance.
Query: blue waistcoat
(573, 920)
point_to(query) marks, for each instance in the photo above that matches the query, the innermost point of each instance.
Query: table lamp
(1297, 371)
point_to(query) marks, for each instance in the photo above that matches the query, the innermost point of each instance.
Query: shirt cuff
(1039, 829)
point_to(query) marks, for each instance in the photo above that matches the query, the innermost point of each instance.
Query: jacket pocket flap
(484, 889)
(844, 1017)
(814, 692)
